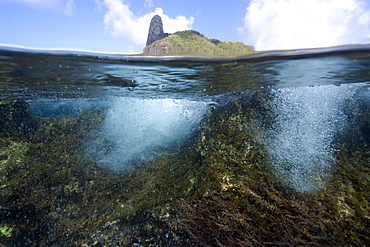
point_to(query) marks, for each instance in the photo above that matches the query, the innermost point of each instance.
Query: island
(189, 42)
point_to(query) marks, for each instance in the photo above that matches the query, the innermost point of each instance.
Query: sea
(269, 149)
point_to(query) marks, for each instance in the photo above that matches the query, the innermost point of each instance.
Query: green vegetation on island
(194, 43)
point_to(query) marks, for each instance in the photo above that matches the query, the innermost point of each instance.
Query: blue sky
(121, 26)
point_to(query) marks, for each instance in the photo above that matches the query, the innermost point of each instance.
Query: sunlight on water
(137, 128)
(300, 141)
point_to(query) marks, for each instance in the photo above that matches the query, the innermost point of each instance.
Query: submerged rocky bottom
(218, 190)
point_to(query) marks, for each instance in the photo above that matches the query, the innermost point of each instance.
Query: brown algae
(218, 190)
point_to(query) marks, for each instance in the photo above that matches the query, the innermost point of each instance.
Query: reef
(16, 118)
(218, 190)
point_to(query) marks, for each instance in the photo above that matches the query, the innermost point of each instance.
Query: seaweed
(217, 190)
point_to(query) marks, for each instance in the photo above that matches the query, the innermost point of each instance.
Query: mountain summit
(155, 30)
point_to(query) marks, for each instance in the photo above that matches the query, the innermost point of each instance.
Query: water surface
(128, 143)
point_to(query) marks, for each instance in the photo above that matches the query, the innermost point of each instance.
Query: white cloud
(98, 5)
(286, 24)
(148, 3)
(66, 6)
(121, 22)
(69, 7)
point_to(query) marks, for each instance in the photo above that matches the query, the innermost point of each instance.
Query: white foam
(300, 141)
(137, 128)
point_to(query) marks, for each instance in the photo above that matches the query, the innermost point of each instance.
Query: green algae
(12, 155)
(218, 190)
(6, 231)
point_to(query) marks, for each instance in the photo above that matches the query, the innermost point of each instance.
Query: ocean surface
(122, 150)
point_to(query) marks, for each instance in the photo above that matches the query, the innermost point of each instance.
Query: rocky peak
(155, 30)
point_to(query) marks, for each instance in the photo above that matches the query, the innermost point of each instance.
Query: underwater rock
(239, 199)
(16, 118)
(219, 189)
(118, 81)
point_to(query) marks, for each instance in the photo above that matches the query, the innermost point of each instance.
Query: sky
(121, 26)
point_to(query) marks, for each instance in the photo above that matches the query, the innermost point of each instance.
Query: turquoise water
(303, 108)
